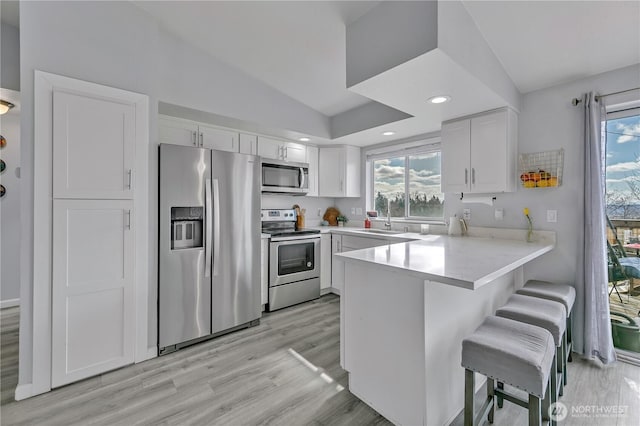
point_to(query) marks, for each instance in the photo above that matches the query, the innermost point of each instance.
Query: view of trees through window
(623, 168)
(409, 186)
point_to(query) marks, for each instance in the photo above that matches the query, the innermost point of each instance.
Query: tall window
(623, 165)
(408, 185)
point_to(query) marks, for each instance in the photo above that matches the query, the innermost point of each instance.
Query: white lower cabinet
(264, 271)
(93, 321)
(325, 261)
(337, 266)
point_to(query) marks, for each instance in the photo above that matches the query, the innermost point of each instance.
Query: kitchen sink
(381, 231)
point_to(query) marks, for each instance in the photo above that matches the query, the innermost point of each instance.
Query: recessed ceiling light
(388, 133)
(440, 99)
(304, 139)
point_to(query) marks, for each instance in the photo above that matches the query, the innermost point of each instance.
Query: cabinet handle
(473, 175)
(286, 152)
(341, 185)
(466, 176)
(195, 139)
(128, 223)
(280, 152)
(201, 139)
(129, 178)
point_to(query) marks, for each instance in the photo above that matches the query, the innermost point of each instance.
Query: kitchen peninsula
(405, 309)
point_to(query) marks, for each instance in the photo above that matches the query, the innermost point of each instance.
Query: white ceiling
(544, 43)
(297, 47)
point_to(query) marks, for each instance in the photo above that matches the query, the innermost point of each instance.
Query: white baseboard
(151, 353)
(9, 303)
(335, 291)
(23, 392)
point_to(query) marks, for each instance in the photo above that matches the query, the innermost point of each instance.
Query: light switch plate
(353, 210)
(466, 214)
(552, 216)
(498, 214)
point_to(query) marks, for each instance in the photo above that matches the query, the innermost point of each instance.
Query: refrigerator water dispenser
(186, 227)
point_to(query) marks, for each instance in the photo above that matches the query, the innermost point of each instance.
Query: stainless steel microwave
(284, 177)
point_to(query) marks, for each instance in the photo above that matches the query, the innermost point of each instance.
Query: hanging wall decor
(3, 166)
(3, 142)
(2, 191)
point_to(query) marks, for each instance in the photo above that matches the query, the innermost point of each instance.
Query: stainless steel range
(294, 260)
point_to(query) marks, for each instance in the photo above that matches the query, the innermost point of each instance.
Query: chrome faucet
(387, 223)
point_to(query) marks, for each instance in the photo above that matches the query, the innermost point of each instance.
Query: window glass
(623, 168)
(389, 186)
(425, 198)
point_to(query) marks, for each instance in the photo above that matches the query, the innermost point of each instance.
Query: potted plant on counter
(342, 220)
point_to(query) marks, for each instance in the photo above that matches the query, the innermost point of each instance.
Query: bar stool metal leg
(491, 398)
(469, 400)
(535, 417)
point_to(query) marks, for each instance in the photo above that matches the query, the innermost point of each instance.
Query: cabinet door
(351, 173)
(178, 132)
(93, 323)
(248, 144)
(456, 173)
(489, 160)
(325, 261)
(295, 152)
(270, 148)
(337, 266)
(223, 140)
(264, 268)
(331, 172)
(93, 147)
(312, 159)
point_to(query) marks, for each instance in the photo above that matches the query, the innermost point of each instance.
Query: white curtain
(593, 330)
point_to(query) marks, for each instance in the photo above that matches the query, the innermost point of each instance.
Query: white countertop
(467, 262)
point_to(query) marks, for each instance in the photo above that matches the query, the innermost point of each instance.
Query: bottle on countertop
(367, 222)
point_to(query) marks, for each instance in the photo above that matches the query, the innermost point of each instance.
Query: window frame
(428, 146)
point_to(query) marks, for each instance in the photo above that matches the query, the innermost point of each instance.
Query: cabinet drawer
(350, 242)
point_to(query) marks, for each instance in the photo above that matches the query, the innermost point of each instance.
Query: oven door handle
(297, 238)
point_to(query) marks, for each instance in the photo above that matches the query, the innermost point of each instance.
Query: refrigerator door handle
(209, 227)
(216, 226)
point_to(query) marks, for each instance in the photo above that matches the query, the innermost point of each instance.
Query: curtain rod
(576, 101)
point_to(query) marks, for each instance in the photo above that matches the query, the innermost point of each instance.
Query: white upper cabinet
(223, 140)
(178, 132)
(339, 171)
(248, 144)
(281, 150)
(312, 160)
(93, 147)
(479, 153)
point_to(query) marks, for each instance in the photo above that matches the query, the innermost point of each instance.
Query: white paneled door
(93, 311)
(93, 149)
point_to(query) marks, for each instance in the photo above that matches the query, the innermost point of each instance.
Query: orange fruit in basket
(524, 177)
(535, 177)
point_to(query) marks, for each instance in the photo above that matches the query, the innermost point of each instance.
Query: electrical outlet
(353, 210)
(466, 214)
(552, 215)
(498, 214)
(319, 212)
(359, 211)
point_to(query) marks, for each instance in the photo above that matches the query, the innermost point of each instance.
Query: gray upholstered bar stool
(547, 314)
(511, 352)
(562, 293)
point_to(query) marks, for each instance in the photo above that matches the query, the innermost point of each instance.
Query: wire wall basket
(541, 169)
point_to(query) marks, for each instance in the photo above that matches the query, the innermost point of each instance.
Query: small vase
(530, 234)
(340, 223)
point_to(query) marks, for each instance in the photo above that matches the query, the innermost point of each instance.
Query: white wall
(10, 204)
(9, 57)
(119, 45)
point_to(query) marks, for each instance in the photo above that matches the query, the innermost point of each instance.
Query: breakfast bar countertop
(468, 262)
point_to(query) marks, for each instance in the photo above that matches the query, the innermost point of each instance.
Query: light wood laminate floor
(285, 371)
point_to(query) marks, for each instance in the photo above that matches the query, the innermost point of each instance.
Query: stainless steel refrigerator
(209, 250)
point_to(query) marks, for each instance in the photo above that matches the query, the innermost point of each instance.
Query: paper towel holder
(484, 200)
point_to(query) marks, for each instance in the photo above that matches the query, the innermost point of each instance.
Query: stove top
(290, 232)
